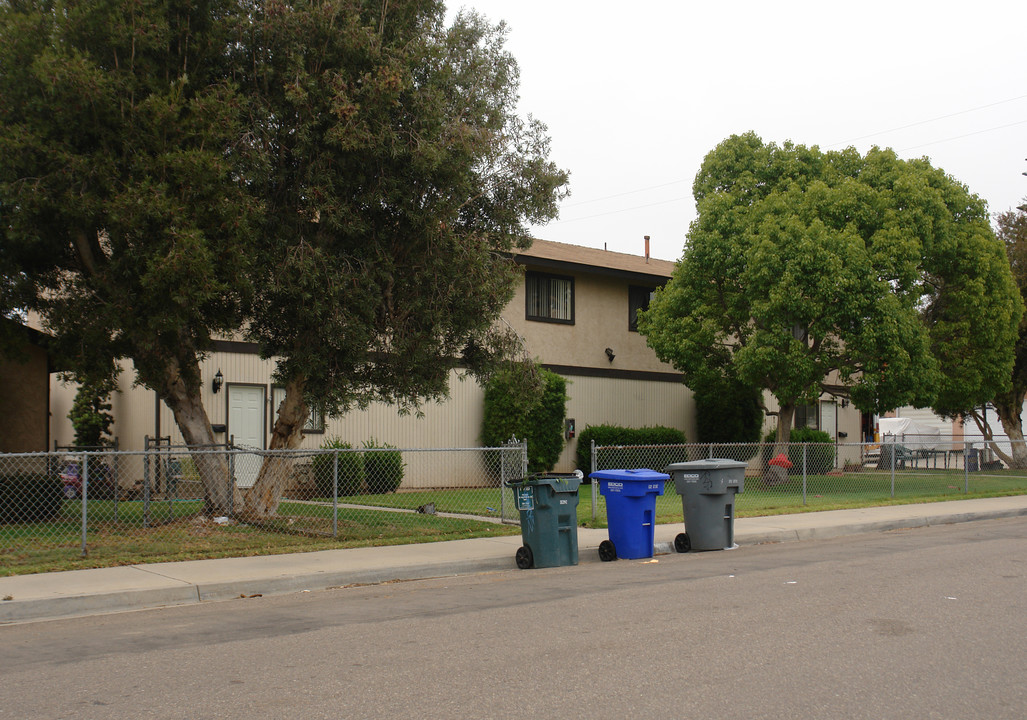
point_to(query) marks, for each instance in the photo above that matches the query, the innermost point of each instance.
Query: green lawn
(120, 534)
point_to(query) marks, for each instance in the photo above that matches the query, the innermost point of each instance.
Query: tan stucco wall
(601, 321)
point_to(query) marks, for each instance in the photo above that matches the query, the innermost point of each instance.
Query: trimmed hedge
(632, 457)
(383, 468)
(819, 450)
(351, 469)
(28, 498)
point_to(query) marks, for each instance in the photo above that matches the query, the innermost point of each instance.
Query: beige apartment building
(575, 311)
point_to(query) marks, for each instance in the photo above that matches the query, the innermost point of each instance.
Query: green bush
(28, 498)
(819, 450)
(351, 469)
(655, 458)
(529, 405)
(383, 468)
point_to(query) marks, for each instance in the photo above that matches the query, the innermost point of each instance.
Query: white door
(246, 428)
(829, 418)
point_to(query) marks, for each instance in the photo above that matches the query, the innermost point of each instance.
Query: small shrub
(655, 458)
(28, 498)
(383, 468)
(351, 469)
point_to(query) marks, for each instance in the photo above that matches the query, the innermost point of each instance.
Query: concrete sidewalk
(118, 589)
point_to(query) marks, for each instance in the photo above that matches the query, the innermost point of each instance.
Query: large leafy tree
(397, 177)
(340, 179)
(123, 219)
(804, 267)
(1008, 403)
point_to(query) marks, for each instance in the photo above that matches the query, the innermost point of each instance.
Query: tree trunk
(776, 474)
(275, 474)
(985, 427)
(1009, 408)
(219, 491)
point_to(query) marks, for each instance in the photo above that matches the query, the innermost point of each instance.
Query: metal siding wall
(630, 403)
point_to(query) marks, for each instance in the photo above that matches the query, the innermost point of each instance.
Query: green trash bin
(548, 505)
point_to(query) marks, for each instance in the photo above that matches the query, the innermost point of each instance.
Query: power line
(957, 137)
(623, 210)
(626, 192)
(924, 122)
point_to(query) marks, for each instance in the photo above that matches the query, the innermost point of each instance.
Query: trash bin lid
(636, 475)
(711, 464)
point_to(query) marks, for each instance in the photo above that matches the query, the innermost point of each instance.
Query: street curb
(860, 528)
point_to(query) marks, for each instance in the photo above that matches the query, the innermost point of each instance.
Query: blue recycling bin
(630, 511)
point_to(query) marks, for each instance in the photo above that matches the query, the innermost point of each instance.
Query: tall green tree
(124, 220)
(341, 178)
(881, 273)
(1012, 231)
(397, 177)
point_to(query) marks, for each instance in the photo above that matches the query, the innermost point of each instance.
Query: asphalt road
(925, 623)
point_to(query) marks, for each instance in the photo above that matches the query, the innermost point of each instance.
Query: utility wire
(627, 192)
(957, 137)
(862, 137)
(924, 122)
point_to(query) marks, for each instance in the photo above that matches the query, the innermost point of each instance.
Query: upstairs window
(549, 298)
(638, 299)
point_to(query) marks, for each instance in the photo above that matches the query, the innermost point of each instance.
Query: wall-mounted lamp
(217, 382)
(845, 403)
(609, 354)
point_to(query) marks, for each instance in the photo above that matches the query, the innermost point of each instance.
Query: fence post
(335, 493)
(230, 484)
(146, 483)
(894, 461)
(966, 466)
(85, 499)
(524, 458)
(594, 483)
(115, 462)
(805, 447)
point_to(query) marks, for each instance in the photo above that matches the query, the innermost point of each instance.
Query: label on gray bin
(689, 478)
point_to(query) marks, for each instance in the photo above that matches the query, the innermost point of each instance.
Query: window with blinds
(549, 298)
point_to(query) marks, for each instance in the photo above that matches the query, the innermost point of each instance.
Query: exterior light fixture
(217, 382)
(609, 354)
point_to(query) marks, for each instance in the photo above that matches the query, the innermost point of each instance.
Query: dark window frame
(634, 293)
(533, 275)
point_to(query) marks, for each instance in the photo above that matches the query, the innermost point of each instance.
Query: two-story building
(575, 312)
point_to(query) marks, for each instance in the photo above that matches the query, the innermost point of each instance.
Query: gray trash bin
(707, 489)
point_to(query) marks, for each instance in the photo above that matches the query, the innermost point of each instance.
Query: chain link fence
(781, 478)
(172, 503)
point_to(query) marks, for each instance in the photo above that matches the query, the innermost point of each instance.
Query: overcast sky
(635, 94)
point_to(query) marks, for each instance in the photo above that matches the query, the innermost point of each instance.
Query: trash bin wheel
(607, 551)
(525, 559)
(683, 543)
